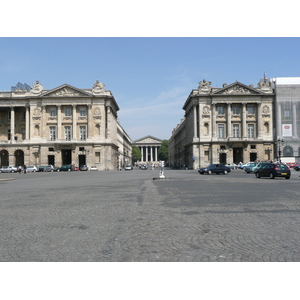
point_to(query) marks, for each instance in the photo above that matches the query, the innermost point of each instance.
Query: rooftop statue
(204, 87)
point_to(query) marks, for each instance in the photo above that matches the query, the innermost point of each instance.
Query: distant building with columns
(64, 125)
(149, 146)
(225, 125)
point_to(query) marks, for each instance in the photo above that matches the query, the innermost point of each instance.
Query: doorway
(19, 156)
(237, 155)
(51, 160)
(66, 156)
(222, 158)
(81, 160)
(253, 156)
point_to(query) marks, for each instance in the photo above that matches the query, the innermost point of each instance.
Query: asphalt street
(126, 216)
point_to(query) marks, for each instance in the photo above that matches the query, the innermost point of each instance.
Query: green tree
(136, 154)
(163, 151)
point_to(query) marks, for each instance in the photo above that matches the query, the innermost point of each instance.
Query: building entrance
(237, 155)
(66, 156)
(222, 158)
(82, 160)
(51, 160)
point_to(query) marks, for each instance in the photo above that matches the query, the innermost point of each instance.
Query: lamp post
(279, 144)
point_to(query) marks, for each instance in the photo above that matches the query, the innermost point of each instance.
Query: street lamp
(279, 143)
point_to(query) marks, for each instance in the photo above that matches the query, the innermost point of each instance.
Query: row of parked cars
(260, 169)
(48, 168)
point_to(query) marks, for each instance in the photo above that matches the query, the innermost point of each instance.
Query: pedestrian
(19, 169)
(25, 169)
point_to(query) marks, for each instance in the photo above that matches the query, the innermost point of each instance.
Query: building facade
(148, 146)
(225, 125)
(64, 125)
(287, 114)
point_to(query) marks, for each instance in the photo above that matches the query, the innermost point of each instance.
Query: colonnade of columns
(42, 116)
(149, 150)
(243, 114)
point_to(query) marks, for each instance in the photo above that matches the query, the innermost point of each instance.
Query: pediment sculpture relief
(65, 92)
(237, 89)
(204, 87)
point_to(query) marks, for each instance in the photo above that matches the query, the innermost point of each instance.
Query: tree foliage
(136, 154)
(163, 151)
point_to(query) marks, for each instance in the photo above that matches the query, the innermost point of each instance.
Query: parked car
(83, 168)
(32, 169)
(215, 168)
(249, 167)
(8, 169)
(65, 168)
(128, 167)
(259, 165)
(48, 168)
(93, 168)
(231, 166)
(297, 167)
(273, 170)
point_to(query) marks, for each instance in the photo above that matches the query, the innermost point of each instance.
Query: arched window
(36, 130)
(206, 129)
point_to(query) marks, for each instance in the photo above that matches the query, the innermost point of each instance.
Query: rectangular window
(221, 110)
(67, 111)
(236, 130)
(50, 149)
(250, 109)
(286, 113)
(52, 133)
(235, 109)
(82, 111)
(250, 130)
(252, 146)
(68, 133)
(8, 134)
(221, 131)
(82, 131)
(52, 111)
(97, 156)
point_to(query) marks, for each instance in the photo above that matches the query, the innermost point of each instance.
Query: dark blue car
(215, 168)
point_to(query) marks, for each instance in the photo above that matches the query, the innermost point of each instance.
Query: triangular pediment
(148, 140)
(66, 91)
(237, 88)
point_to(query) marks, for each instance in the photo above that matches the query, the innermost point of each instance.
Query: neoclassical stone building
(231, 124)
(149, 146)
(64, 125)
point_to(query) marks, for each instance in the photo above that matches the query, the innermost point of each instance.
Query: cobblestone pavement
(124, 216)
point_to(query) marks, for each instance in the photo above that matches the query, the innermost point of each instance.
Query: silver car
(8, 169)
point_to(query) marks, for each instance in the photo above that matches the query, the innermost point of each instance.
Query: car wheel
(287, 177)
(272, 176)
(209, 172)
(257, 175)
(225, 172)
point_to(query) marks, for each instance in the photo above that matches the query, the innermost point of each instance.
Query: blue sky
(150, 78)
(150, 55)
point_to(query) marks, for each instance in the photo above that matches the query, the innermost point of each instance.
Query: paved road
(125, 216)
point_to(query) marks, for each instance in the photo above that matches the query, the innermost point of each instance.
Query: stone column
(12, 124)
(156, 148)
(58, 122)
(295, 134)
(146, 153)
(213, 120)
(259, 119)
(44, 121)
(27, 122)
(244, 121)
(200, 122)
(228, 120)
(90, 122)
(195, 121)
(74, 122)
(151, 153)
(279, 122)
